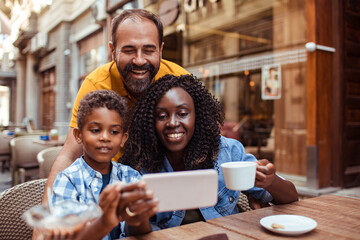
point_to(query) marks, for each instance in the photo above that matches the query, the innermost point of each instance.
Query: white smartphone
(183, 190)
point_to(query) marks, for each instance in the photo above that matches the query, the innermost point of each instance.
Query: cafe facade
(283, 70)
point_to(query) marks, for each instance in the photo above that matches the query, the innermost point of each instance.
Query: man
(137, 44)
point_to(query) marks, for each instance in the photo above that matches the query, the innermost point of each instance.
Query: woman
(176, 127)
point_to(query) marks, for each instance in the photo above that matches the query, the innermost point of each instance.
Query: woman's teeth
(175, 135)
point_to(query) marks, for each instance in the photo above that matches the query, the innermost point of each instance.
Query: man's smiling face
(137, 54)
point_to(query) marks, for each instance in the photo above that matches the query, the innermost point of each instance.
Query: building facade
(285, 72)
(62, 43)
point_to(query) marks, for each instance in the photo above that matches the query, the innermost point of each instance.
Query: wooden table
(191, 231)
(337, 217)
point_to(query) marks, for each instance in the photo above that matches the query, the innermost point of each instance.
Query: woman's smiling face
(175, 120)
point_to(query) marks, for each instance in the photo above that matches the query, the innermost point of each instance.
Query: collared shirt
(108, 77)
(231, 150)
(79, 182)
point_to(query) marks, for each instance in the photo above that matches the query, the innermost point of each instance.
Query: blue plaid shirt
(79, 182)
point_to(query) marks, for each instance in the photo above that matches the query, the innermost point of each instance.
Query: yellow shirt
(108, 77)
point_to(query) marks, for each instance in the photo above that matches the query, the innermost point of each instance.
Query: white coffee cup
(239, 175)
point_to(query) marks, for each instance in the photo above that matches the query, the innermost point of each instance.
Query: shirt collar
(90, 174)
(167, 166)
(115, 173)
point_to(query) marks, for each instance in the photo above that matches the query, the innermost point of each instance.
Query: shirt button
(231, 199)
(95, 189)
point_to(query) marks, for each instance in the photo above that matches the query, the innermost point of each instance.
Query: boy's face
(102, 136)
(175, 120)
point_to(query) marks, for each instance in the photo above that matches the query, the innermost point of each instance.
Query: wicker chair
(13, 203)
(46, 159)
(243, 203)
(247, 203)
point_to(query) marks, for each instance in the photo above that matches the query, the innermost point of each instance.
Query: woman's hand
(136, 204)
(265, 173)
(281, 190)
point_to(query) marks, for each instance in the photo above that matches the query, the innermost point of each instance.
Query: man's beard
(137, 86)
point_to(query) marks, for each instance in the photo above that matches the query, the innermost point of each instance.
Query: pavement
(5, 180)
(349, 192)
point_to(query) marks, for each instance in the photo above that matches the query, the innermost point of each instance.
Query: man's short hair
(102, 98)
(136, 14)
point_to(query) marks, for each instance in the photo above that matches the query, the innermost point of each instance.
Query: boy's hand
(265, 173)
(108, 201)
(136, 204)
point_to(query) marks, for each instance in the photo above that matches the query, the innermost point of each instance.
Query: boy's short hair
(102, 98)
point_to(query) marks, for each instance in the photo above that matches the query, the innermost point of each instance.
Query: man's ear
(77, 135)
(124, 139)
(111, 46)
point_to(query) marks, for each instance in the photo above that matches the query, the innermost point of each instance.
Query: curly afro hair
(143, 149)
(103, 98)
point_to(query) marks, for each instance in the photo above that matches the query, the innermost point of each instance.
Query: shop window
(92, 53)
(92, 59)
(207, 49)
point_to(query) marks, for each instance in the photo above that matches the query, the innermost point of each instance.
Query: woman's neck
(176, 160)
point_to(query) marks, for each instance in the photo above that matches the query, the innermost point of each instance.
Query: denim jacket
(231, 150)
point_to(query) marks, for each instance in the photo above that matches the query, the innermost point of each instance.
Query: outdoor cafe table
(337, 218)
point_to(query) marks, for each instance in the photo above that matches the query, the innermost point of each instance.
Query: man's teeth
(139, 71)
(175, 135)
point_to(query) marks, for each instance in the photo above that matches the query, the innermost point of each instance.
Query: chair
(247, 203)
(13, 203)
(46, 159)
(264, 151)
(243, 203)
(4, 152)
(23, 157)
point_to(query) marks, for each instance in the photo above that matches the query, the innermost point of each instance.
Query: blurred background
(311, 129)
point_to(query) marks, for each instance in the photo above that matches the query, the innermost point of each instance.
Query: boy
(102, 129)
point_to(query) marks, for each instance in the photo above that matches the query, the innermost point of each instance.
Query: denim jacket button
(231, 199)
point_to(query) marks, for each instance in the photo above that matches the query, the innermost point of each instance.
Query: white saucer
(293, 224)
